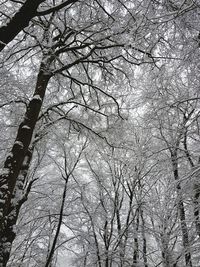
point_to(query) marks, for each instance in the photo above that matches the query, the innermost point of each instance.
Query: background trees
(100, 114)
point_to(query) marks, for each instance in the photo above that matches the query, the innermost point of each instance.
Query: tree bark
(20, 20)
(14, 161)
(18, 199)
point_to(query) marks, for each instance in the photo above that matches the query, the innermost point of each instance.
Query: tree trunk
(181, 211)
(17, 201)
(106, 243)
(196, 202)
(52, 250)
(166, 257)
(14, 162)
(136, 243)
(196, 188)
(20, 20)
(144, 246)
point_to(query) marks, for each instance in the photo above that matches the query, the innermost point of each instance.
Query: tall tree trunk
(144, 246)
(14, 161)
(136, 243)
(166, 257)
(19, 197)
(196, 188)
(181, 211)
(106, 243)
(52, 250)
(196, 202)
(119, 230)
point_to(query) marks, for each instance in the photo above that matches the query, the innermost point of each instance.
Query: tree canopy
(99, 115)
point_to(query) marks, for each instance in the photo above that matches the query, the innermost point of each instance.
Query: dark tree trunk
(9, 231)
(196, 188)
(52, 250)
(144, 246)
(196, 202)
(136, 242)
(106, 243)
(14, 161)
(181, 211)
(20, 20)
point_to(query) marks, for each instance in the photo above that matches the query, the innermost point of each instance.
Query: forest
(99, 133)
